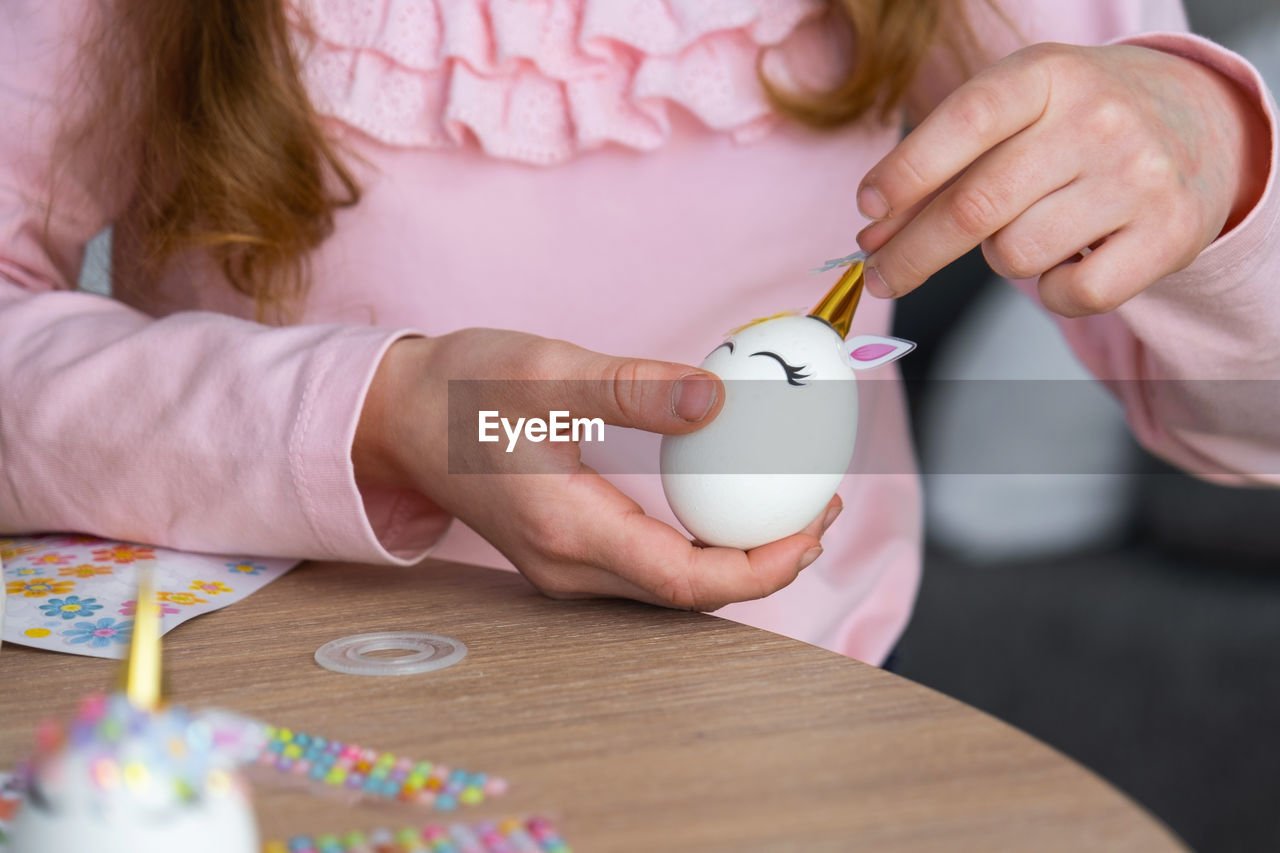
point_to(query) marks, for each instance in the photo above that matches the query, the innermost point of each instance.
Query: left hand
(1100, 169)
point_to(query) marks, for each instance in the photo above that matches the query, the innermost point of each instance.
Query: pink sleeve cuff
(370, 525)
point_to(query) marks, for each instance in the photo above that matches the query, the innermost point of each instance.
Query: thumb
(656, 396)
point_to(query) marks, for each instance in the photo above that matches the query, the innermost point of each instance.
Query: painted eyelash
(794, 374)
(728, 344)
(38, 799)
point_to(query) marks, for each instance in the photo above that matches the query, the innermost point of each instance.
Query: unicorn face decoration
(776, 453)
(128, 780)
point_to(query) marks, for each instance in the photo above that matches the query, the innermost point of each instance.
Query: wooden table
(635, 728)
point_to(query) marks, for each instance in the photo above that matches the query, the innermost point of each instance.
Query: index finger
(990, 108)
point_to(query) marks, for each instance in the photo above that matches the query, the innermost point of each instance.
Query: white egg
(219, 825)
(776, 453)
(129, 781)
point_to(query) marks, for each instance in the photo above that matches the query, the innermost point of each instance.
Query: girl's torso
(653, 253)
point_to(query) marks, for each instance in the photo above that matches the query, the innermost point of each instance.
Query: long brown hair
(887, 41)
(238, 163)
(233, 156)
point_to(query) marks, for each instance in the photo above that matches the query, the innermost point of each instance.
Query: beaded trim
(370, 773)
(535, 835)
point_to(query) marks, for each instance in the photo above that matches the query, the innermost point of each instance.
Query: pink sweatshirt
(603, 171)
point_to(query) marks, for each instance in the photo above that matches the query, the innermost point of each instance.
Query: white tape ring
(423, 653)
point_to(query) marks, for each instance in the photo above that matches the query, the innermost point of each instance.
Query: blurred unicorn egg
(120, 779)
(773, 457)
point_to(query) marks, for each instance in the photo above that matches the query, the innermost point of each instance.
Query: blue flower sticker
(244, 567)
(100, 634)
(71, 607)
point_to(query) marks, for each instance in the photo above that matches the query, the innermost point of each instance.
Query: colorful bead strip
(536, 835)
(371, 773)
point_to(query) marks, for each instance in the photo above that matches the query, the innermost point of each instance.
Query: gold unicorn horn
(142, 673)
(837, 307)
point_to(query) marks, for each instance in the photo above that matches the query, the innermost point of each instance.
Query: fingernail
(693, 397)
(831, 516)
(809, 556)
(875, 283)
(862, 235)
(872, 204)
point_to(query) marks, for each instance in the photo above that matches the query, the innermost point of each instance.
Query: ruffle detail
(540, 81)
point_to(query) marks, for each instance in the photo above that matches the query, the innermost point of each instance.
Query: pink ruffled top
(538, 81)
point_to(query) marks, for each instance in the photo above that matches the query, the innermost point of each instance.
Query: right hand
(570, 532)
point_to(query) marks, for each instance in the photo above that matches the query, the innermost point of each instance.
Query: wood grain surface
(634, 728)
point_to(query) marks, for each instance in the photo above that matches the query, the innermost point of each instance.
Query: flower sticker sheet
(77, 593)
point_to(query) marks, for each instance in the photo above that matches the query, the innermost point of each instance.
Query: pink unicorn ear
(870, 351)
